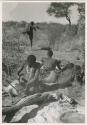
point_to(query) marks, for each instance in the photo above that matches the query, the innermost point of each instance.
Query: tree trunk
(68, 18)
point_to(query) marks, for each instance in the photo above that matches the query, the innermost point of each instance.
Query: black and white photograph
(43, 62)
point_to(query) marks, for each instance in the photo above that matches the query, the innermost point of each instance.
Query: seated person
(50, 65)
(32, 69)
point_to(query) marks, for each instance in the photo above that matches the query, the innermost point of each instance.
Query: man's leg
(31, 40)
(31, 43)
(29, 89)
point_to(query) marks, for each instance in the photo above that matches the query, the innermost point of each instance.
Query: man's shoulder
(38, 65)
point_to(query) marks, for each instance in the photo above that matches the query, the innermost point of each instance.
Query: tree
(81, 9)
(81, 21)
(60, 10)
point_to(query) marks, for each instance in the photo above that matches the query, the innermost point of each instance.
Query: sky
(33, 11)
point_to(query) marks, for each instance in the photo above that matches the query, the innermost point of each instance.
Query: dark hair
(50, 52)
(32, 23)
(31, 59)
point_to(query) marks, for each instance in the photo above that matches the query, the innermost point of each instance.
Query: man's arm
(36, 27)
(21, 68)
(31, 80)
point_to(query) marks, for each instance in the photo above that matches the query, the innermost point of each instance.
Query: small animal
(11, 90)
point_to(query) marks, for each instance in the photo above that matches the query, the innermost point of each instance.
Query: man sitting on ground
(32, 70)
(50, 65)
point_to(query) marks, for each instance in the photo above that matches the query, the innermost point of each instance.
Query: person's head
(50, 53)
(32, 23)
(31, 59)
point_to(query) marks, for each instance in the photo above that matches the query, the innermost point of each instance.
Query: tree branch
(68, 18)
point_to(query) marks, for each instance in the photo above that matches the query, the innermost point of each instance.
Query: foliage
(81, 8)
(60, 10)
(81, 21)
